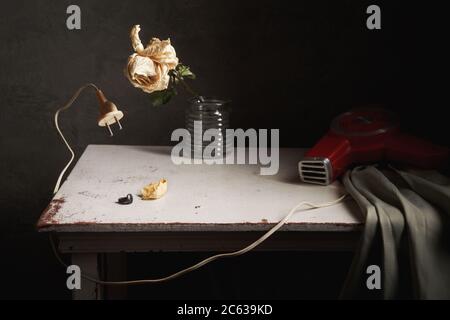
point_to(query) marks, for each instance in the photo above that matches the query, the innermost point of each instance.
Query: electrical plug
(109, 114)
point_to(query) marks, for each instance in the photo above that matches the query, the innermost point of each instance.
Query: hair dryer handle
(411, 150)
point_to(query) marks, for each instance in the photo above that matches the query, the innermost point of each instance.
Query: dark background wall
(291, 65)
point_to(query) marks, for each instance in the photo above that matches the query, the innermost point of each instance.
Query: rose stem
(189, 89)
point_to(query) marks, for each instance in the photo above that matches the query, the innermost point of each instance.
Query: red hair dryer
(362, 136)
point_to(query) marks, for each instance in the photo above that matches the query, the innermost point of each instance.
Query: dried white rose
(148, 68)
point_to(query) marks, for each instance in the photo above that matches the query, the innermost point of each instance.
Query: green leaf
(159, 98)
(184, 72)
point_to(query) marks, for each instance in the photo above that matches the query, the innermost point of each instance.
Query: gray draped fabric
(406, 233)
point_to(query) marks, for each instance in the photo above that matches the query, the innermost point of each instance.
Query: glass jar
(205, 114)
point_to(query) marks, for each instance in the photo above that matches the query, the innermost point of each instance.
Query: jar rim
(208, 101)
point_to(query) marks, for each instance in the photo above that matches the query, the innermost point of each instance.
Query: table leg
(88, 263)
(115, 269)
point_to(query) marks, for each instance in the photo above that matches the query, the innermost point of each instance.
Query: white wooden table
(206, 208)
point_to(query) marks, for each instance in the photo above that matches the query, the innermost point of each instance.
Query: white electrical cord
(72, 153)
(212, 258)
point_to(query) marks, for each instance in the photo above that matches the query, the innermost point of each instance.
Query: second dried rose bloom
(148, 68)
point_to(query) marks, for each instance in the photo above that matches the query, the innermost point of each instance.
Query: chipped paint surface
(200, 197)
(48, 216)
